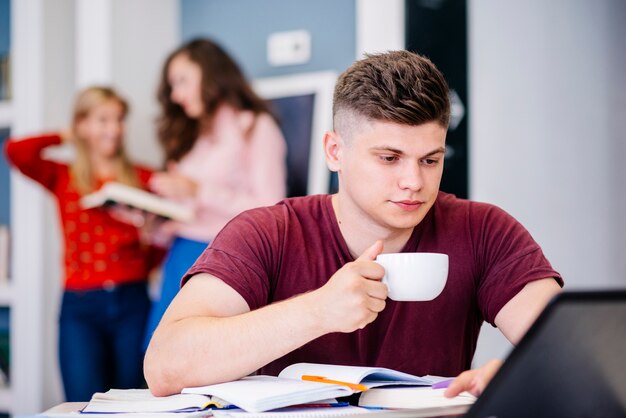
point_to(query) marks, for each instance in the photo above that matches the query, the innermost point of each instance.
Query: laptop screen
(571, 363)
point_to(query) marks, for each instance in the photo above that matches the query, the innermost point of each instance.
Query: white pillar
(379, 26)
(93, 42)
(27, 223)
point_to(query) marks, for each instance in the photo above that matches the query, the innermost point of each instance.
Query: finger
(372, 252)
(377, 290)
(370, 270)
(376, 305)
(153, 183)
(485, 375)
(463, 382)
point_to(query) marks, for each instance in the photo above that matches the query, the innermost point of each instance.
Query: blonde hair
(82, 173)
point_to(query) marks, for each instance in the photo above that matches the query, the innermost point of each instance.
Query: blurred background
(539, 121)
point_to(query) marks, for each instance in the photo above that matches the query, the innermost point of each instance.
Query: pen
(321, 379)
(320, 405)
(442, 384)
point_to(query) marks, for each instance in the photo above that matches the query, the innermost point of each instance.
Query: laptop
(571, 363)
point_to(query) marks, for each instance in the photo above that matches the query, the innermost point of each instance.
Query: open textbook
(142, 401)
(370, 377)
(306, 382)
(114, 192)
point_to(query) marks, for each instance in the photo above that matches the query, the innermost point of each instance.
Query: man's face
(389, 174)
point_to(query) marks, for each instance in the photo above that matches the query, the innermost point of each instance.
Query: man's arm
(513, 320)
(209, 335)
(522, 310)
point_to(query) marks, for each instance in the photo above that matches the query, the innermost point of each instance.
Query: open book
(141, 400)
(306, 382)
(369, 377)
(113, 192)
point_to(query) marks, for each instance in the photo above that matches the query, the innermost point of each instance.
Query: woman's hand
(127, 214)
(67, 135)
(153, 229)
(473, 381)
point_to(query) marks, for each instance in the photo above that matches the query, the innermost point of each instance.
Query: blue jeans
(181, 256)
(100, 339)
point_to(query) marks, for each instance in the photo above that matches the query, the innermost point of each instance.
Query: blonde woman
(105, 303)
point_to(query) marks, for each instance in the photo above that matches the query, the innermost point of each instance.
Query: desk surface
(65, 408)
(70, 409)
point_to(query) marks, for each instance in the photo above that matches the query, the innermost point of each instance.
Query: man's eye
(388, 158)
(429, 161)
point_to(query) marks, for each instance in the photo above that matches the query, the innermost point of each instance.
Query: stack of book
(307, 388)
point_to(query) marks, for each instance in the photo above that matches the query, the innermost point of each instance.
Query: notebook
(571, 363)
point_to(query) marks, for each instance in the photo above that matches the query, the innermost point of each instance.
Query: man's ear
(333, 144)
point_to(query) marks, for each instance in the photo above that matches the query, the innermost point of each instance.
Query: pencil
(322, 379)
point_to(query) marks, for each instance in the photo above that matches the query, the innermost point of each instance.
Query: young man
(298, 282)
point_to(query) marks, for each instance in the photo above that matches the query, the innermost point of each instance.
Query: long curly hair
(222, 83)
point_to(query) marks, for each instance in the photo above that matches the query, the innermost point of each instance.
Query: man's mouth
(408, 205)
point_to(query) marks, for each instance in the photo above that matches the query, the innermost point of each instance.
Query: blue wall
(242, 28)
(5, 214)
(5, 28)
(5, 42)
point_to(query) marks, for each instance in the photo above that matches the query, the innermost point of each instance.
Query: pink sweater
(234, 171)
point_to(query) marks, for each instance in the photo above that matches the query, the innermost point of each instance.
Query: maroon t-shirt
(273, 253)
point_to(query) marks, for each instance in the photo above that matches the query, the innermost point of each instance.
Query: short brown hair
(396, 86)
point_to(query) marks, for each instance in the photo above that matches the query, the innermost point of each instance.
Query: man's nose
(411, 176)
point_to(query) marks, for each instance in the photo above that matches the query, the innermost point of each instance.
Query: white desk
(71, 410)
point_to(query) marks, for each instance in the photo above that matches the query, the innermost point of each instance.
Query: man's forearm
(198, 351)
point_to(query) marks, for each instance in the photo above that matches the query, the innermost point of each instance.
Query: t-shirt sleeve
(26, 155)
(508, 258)
(245, 255)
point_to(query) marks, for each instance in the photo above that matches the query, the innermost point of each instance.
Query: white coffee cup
(414, 276)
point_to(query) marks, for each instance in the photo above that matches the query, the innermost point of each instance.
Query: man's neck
(359, 231)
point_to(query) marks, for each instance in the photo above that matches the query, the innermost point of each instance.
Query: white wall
(129, 40)
(58, 100)
(43, 81)
(547, 88)
(143, 36)
(379, 26)
(50, 65)
(617, 125)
